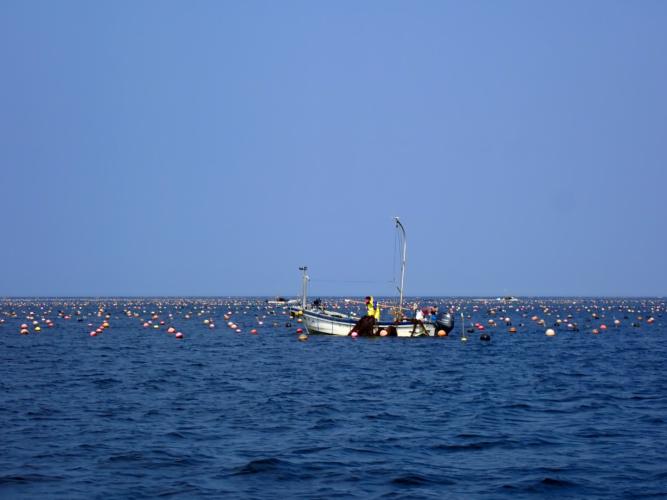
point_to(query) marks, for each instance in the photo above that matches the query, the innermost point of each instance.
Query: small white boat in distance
(280, 301)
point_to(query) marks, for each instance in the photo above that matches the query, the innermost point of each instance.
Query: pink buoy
(299, 330)
(383, 333)
(179, 335)
(253, 331)
(171, 329)
(93, 333)
(354, 335)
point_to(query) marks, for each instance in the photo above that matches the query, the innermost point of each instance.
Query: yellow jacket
(373, 309)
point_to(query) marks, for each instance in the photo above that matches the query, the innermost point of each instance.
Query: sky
(212, 147)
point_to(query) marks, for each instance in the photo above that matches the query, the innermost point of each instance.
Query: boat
(319, 320)
(281, 301)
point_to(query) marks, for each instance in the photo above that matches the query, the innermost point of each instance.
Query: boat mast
(304, 285)
(403, 253)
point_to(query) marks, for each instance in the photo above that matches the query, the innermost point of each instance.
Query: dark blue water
(136, 413)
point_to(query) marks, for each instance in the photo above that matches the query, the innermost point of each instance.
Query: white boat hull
(330, 323)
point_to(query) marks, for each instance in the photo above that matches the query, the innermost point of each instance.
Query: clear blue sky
(212, 147)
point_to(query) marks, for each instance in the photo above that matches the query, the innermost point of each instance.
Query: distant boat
(319, 320)
(509, 298)
(281, 301)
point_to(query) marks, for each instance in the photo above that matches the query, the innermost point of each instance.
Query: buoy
(105, 324)
(512, 329)
(354, 334)
(146, 325)
(24, 326)
(93, 334)
(299, 320)
(617, 322)
(603, 327)
(171, 329)
(650, 320)
(211, 325)
(24, 331)
(253, 331)
(442, 333)
(303, 337)
(383, 333)
(38, 328)
(299, 330)
(178, 335)
(550, 332)
(156, 326)
(238, 330)
(485, 337)
(595, 331)
(207, 321)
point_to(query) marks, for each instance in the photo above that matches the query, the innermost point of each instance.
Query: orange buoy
(512, 329)
(442, 333)
(303, 337)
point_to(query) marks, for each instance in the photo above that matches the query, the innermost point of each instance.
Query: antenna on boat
(405, 247)
(304, 289)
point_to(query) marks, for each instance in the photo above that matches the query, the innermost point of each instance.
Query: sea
(239, 407)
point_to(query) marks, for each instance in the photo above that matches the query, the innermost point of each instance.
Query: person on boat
(418, 318)
(364, 327)
(430, 313)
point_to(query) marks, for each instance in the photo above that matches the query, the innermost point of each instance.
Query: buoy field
(212, 397)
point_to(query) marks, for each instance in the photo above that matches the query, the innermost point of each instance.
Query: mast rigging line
(372, 282)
